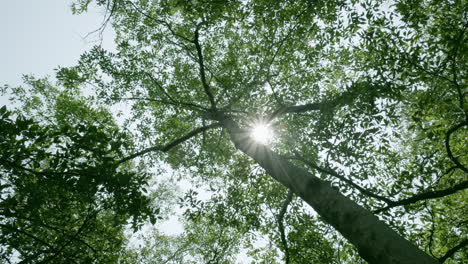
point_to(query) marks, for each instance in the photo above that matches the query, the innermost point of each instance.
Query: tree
(62, 198)
(367, 101)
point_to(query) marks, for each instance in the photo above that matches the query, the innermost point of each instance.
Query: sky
(37, 36)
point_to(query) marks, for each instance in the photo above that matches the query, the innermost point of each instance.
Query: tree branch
(452, 251)
(201, 64)
(171, 102)
(326, 104)
(293, 109)
(90, 216)
(30, 236)
(280, 218)
(425, 196)
(447, 145)
(175, 102)
(170, 145)
(57, 229)
(159, 21)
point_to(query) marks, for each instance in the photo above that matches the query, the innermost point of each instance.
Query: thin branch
(61, 230)
(174, 103)
(170, 145)
(30, 236)
(172, 98)
(165, 23)
(107, 17)
(280, 219)
(78, 232)
(342, 178)
(425, 196)
(201, 64)
(447, 145)
(452, 251)
(431, 235)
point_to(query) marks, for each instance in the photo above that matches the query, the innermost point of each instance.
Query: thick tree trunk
(375, 241)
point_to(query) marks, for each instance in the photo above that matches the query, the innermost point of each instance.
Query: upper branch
(426, 195)
(170, 145)
(201, 64)
(447, 145)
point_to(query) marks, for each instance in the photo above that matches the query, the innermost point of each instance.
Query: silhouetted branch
(426, 196)
(447, 145)
(453, 250)
(201, 64)
(170, 145)
(280, 218)
(431, 235)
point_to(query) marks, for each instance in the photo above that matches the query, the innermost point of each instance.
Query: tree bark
(375, 241)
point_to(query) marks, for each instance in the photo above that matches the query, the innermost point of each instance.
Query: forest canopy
(275, 131)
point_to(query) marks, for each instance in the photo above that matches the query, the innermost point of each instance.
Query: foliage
(63, 199)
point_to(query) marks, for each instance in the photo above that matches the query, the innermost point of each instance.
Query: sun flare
(262, 133)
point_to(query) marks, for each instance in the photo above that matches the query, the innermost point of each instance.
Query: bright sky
(37, 36)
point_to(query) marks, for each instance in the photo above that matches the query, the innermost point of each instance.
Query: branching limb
(280, 219)
(170, 145)
(425, 196)
(453, 250)
(447, 145)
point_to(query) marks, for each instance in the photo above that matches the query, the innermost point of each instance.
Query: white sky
(36, 36)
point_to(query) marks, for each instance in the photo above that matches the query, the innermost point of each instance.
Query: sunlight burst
(262, 133)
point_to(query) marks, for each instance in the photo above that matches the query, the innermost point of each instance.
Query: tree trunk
(375, 241)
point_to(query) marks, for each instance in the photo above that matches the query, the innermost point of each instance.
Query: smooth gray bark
(376, 242)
